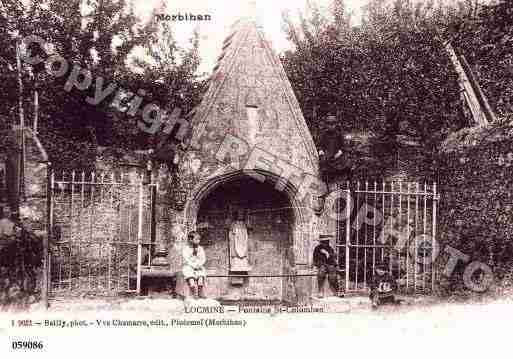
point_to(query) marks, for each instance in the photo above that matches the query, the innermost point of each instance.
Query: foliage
(484, 35)
(389, 76)
(101, 36)
(170, 79)
(475, 207)
(21, 258)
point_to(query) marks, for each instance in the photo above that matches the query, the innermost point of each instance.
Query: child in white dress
(193, 265)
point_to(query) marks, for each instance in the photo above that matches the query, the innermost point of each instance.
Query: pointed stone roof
(249, 75)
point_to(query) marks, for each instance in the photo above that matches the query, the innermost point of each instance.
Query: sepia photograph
(309, 171)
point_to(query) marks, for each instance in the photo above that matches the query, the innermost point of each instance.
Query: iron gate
(391, 224)
(100, 233)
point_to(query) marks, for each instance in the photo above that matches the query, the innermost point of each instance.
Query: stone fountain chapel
(257, 235)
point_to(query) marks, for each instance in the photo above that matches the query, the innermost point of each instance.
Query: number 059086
(27, 345)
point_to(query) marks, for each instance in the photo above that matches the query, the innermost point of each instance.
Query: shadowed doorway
(269, 219)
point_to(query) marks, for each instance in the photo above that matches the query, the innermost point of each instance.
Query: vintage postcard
(179, 174)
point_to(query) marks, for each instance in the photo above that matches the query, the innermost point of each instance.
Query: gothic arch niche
(272, 218)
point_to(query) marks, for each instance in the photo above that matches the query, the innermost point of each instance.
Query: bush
(21, 258)
(476, 178)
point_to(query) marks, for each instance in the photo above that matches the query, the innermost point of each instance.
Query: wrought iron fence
(102, 234)
(391, 224)
(100, 226)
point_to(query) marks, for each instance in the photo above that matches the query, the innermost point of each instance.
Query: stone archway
(273, 217)
(204, 188)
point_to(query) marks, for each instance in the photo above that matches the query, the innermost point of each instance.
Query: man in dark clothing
(324, 260)
(383, 287)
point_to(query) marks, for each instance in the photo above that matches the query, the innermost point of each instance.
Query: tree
(170, 79)
(388, 77)
(8, 13)
(484, 35)
(100, 36)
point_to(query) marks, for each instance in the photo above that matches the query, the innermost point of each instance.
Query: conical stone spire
(248, 96)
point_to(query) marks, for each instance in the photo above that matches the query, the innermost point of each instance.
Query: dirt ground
(167, 304)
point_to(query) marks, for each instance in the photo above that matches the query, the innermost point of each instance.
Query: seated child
(383, 287)
(193, 267)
